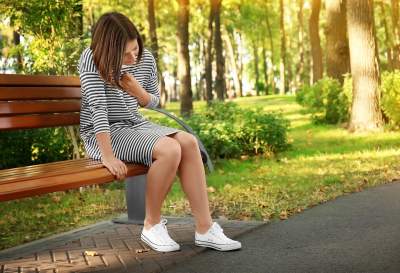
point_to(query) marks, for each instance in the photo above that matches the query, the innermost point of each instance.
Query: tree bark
(265, 68)
(282, 67)
(388, 39)
(271, 42)
(154, 48)
(396, 34)
(239, 58)
(17, 42)
(209, 56)
(185, 89)
(316, 50)
(256, 70)
(300, 66)
(220, 87)
(365, 112)
(234, 64)
(337, 50)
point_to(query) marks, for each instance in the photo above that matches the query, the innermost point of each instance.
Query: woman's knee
(167, 148)
(186, 140)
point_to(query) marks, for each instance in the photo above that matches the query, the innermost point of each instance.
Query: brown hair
(109, 38)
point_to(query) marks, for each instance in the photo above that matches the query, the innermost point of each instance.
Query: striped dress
(105, 108)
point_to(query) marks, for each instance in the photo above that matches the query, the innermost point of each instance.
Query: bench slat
(38, 80)
(34, 107)
(36, 186)
(20, 173)
(8, 93)
(38, 121)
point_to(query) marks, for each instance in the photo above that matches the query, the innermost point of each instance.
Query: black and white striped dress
(106, 108)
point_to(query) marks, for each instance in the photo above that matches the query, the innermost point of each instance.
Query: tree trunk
(271, 41)
(300, 66)
(396, 34)
(316, 51)
(337, 50)
(154, 48)
(265, 68)
(234, 65)
(185, 89)
(220, 62)
(209, 57)
(256, 70)
(17, 42)
(388, 39)
(239, 58)
(365, 112)
(282, 67)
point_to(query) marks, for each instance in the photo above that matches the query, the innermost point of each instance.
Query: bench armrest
(204, 155)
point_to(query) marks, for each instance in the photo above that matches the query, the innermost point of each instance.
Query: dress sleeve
(93, 90)
(152, 85)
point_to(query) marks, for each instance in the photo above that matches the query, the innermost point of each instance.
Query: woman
(117, 76)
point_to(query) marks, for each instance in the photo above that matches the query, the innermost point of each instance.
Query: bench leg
(135, 191)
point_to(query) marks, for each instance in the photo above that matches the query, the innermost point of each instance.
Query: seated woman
(117, 76)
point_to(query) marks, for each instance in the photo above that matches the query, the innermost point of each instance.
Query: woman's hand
(130, 84)
(115, 166)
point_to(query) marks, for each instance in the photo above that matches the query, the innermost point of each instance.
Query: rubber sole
(216, 247)
(156, 247)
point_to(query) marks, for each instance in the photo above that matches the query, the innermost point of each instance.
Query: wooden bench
(47, 101)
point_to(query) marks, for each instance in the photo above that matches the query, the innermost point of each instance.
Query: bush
(326, 100)
(34, 146)
(390, 102)
(228, 131)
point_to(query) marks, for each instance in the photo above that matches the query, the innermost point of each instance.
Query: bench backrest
(38, 101)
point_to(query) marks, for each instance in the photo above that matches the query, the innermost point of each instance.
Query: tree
(316, 50)
(396, 34)
(282, 86)
(365, 112)
(300, 65)
(154, 48)
(209, 56)
(220, 62)
(337, 50)
(185, 89)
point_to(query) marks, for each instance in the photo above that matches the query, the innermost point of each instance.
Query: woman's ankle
(203, 228)
(150, 222)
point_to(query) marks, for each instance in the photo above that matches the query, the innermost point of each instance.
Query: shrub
(390, 102)
(228, 131)
(34, 146)
(326, 100)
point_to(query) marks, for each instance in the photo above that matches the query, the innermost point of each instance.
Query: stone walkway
(108, 247)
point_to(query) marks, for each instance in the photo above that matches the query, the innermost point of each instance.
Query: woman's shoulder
(147, 58)
(86, 63)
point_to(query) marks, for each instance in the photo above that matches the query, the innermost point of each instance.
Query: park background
(296, 101)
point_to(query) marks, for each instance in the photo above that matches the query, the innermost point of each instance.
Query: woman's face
(131, 52)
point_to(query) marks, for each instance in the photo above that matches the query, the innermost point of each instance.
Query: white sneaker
(157, 238)
(216, 239)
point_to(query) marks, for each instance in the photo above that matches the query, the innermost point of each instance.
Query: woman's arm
(149, 95)
(113, 164)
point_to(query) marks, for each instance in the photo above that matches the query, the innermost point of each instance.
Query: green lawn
(323, 162)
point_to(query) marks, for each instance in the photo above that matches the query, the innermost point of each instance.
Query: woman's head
(115, 41)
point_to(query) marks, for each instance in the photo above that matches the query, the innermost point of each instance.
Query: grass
(323, 163)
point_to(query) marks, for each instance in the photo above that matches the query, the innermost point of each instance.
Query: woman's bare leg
(166, 156)
(193, 180)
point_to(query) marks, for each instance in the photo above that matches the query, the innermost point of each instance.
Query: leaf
(91, 253)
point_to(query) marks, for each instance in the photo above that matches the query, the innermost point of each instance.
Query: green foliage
(327, 101)
(53, 34)
(34, 146)
(229, 131)
(390, 103)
